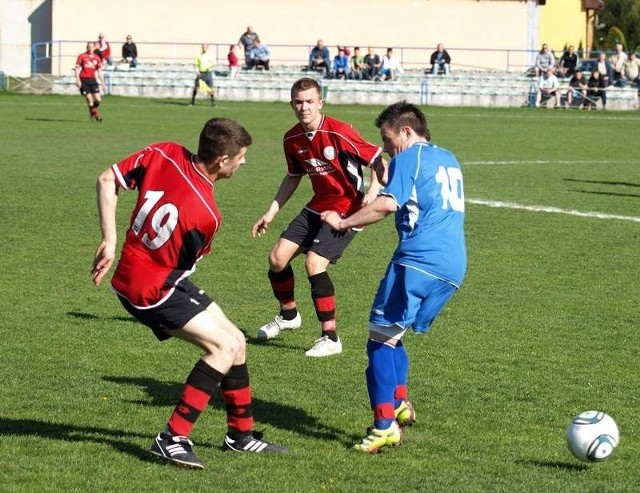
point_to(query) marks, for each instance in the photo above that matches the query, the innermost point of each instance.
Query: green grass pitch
(545, 326)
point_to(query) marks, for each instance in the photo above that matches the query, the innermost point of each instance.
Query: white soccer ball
(592, 436)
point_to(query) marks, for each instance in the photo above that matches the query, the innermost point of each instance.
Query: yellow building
(568, 22)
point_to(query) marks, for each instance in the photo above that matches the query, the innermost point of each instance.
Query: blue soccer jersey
(426, 183)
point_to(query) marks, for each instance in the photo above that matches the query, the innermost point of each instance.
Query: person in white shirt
(618, 60)
(391, 66)
(548, 87)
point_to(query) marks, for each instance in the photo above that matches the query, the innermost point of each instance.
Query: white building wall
(470, 29)
(16, 34)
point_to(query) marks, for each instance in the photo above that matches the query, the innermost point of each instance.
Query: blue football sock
(381, 383)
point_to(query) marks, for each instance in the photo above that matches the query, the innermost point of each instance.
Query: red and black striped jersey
(172, 225)
(333, 156)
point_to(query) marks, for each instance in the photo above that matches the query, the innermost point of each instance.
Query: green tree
(623, 14)
(614, 36)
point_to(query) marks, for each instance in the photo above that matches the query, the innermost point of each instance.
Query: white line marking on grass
(538, 161)
(553, 210)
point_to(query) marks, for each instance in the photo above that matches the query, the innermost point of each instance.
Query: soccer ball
(592, 436)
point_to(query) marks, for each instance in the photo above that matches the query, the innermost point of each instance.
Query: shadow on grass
(568, 466)
(179, 102)
(621, 183)
(91, 316)
(56, 120)
(283, 416)
(117, 439)
(612, 194)
(599, 182)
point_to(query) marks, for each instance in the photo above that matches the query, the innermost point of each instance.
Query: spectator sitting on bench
(597, 90)
(631, 70)
(259, 55)
(391, 66)
(605, 68)
(319, 58)
(440, 61)
(548, 87)
(130, 52)
(373, 64)
(568, 63)
(357, 66)
(577, 93)
(341, 65)
(544, 61)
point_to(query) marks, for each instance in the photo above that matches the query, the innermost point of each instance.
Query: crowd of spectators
(355, 67)
(257, 55)
(588, 82)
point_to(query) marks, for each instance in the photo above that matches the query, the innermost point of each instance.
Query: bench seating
(481, 89)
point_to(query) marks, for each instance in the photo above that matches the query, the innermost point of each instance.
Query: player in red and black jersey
(333, 155)
(89, 79)
(172, 226)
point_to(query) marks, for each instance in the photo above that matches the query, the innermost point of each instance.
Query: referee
(204, 63)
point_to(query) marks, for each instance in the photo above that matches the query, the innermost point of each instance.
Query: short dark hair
(222, 137)
(304, 84)
(403, 114)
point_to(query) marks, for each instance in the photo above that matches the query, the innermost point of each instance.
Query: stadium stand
(483, 89)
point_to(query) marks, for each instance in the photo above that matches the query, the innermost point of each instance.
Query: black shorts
(89, 86)
(186, 302)
(308, 231)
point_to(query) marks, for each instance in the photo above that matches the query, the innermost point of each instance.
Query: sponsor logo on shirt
(319, 166)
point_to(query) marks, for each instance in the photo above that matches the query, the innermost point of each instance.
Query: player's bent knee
(315, 264)
(277, 261)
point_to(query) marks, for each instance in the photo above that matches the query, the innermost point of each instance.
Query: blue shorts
(409, 298)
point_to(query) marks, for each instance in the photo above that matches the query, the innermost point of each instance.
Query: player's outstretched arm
(107, 203)
(288, 186)
(377, 210)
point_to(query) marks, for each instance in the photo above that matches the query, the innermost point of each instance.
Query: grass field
(544, 327)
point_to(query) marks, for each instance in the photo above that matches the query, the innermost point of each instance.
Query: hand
(102, 261)
(369, 197)
(260, 227)
(333, 219)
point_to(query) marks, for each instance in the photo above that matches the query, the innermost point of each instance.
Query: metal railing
(58, 57)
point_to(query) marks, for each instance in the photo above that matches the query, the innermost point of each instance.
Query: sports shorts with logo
(308, 231)
(186, 301)
(408, 297)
